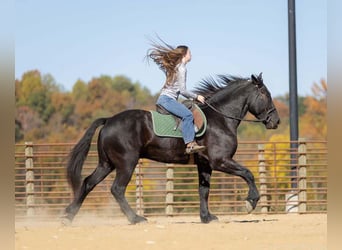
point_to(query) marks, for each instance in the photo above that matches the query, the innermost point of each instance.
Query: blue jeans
(178, 109)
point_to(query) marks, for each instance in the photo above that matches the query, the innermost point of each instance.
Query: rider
(172, 61)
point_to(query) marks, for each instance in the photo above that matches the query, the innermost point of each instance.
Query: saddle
(196, 112)
(168, 125)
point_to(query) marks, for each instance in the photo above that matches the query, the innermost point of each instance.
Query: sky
(73, 40)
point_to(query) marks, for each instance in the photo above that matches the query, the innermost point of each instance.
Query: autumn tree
(79, 90)
(256, 131)
(33, 103)
(35, 92)
(313, 123)
(47, 113)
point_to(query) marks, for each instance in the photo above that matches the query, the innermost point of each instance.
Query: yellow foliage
(277, 158)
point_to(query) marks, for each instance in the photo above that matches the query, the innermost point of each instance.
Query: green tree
(79, 90)
(35, 91)
(121, 83)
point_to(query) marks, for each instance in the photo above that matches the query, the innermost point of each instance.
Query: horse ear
(257, 80)
(260, 77)
(254, 79)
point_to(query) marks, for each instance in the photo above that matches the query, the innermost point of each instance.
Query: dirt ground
(289, 231)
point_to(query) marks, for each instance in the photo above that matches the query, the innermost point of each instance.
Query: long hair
(167, 58)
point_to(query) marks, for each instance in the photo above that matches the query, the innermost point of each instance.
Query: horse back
(131, 132)
(129, 127)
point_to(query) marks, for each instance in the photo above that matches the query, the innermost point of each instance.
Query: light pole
(293, 98)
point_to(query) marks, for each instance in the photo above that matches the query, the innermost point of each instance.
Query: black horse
(128, 136)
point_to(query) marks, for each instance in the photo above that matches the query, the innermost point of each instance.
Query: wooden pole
(169, 189)
(302, 175)
(30, 203)
(262, 178)
(139, 189)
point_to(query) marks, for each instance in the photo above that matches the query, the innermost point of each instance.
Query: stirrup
(194, 148)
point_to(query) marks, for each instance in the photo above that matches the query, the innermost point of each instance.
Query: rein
(235, 118)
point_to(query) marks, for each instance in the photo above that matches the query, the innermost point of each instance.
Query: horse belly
(160, 153)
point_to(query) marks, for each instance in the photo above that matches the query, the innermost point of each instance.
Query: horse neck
(233, 103)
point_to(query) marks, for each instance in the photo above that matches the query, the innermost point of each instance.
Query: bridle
(265, 119)
(241, 119)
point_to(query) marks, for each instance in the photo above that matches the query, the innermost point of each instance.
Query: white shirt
(179, 85)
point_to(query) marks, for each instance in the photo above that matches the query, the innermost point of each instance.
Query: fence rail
(41, 188)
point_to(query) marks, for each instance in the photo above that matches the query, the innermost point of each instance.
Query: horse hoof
(65, 221)
(249, 207)
(138, 219)
(209, 218)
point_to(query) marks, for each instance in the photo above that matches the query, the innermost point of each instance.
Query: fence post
(139, 189)
(29, 178)
(262, 178)
(302, 174)
(169, 189)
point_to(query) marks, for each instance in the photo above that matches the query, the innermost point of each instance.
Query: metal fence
(161, 189)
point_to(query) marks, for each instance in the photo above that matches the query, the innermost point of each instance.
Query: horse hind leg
(118, 189)
(89, 183)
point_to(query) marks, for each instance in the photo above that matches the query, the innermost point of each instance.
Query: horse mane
(210, 85)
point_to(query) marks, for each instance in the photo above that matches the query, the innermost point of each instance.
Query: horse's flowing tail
(79, 153)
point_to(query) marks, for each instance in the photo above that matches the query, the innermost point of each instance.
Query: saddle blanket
(166, 126)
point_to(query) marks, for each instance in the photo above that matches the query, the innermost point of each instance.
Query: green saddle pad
(164, 125)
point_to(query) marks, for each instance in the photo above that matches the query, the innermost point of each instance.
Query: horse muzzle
(272, 123)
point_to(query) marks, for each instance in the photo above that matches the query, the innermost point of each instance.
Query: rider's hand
(200, 98)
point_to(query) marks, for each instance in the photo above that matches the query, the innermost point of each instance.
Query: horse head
(261, 104)
(233, 97)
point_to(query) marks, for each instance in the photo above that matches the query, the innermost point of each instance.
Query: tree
(44, 112)
(79, 90)
(30, 123)
(18, 131)
(63, 105)
(277, 164)
(121, 83)
(35, 91)
(313, 123)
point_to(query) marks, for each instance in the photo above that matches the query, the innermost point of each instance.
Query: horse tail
(79, 153)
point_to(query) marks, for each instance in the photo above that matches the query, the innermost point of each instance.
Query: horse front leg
(230, 166)
(204, 175)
